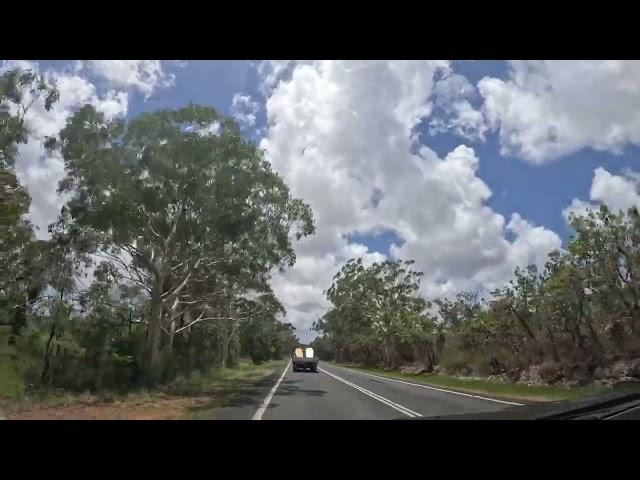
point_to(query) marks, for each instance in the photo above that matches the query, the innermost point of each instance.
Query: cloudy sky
(470, 168)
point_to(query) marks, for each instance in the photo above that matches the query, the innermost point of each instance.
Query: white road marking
(267, 400)
(434, 388)
(380, 398)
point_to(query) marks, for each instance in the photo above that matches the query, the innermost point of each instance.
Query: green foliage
(189, 211)
(323, 348)
(506, 390)
(21, 257)
(189, 221)
(263, 339)
(377, 315)
(19, 254)
(575, 321)
(11, 382)
(19, 90)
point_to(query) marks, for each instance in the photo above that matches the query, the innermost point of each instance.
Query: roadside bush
(11, 383)
(550, 373)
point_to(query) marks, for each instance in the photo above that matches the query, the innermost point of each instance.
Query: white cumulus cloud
(617, 192)
(341, 134)
(38, 171)
(244, 109)
(547, 109)
(455, 112)
(143, 75)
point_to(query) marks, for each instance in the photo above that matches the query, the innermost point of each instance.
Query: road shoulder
(516, 393)
(244, 404)
(195, 397)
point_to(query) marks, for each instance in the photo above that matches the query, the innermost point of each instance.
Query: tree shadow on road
(245, 394)
(255, 396)
(290, 387)
(241, 393)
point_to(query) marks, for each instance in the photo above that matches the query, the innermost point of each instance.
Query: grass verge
(500, 390)
(190, 397)
(11, 385)
(222, 384)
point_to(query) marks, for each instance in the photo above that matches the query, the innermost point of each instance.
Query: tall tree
(19, 90)
(174, 197)
(376, 310)
(19, 254)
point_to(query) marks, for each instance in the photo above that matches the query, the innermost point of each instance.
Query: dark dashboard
(620, 406)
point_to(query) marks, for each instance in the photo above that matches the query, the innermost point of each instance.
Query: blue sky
(539, 193)
(539, 135)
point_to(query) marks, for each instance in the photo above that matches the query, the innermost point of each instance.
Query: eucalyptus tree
(174, 199)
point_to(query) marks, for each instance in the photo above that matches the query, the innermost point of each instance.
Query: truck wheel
(314, 368)
(295, 369)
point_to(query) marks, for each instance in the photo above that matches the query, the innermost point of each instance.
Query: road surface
(337, 393)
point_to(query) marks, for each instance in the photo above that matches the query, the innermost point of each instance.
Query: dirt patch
(132, 409)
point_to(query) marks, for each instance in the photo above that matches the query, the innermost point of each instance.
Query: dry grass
(505, 390)
(182, 399)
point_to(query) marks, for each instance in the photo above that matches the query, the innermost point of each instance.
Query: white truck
(303, 360)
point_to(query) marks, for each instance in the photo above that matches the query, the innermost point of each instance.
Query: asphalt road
(337, 393)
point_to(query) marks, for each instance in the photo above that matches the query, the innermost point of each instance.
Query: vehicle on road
(304, 359)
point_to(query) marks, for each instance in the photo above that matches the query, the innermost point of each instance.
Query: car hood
(623, 405)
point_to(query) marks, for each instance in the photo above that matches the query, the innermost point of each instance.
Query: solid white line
(434, 388)
(380, 398)
(267, 400)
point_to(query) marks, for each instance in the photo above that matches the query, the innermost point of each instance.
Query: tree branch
(183, 284)
(203, 319)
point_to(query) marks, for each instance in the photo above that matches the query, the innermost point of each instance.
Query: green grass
(244, 371)
(218, 384)
(222, 384)
(507, 391)
(11, 385)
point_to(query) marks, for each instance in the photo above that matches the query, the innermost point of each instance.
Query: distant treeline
(576, 321)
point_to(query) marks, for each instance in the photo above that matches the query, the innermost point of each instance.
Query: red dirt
(172, 408)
